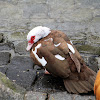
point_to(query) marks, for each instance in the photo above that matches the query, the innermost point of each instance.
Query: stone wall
(79, 19)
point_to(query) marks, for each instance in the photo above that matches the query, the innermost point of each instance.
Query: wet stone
(20, 70)
(5, 46)
(3, 69)
(35, 96)
(78, 97)
(67, 96)
(48, 83)
(59, 95)
(4, 58)
(21, 48)
(93, 63)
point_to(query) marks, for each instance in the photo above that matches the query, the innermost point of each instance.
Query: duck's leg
(46, 72)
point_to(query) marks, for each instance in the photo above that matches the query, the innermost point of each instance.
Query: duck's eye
(33, 37)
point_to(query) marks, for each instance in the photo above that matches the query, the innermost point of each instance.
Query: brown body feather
(77, 77)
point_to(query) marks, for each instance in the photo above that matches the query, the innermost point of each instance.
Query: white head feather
(39, 32)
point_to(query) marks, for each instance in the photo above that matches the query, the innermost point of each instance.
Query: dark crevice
(6, 72)
(10, 44)
(47, 97)
(88, 94)
(9, 58)
(2, 40)
(33, 83)
(27, 70)
(33, 65)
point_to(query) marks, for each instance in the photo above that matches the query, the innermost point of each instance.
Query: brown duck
(53, 50)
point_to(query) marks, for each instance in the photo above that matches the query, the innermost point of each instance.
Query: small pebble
(17, 75)
(24, 71)
(37, 72)
(14, 80)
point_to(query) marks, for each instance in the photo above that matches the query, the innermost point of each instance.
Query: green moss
(84, 47)
(95, 37)
(96, 19)
(79, 42)
(89, 49)
(18, 35)
(10, 84)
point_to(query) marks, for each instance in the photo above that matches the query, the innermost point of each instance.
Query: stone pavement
(79, 19)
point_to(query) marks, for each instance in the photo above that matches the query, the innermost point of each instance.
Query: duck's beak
(29, 46)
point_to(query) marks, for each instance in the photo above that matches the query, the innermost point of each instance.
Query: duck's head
(35, 34)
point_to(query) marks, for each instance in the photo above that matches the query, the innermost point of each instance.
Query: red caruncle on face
(32, 39)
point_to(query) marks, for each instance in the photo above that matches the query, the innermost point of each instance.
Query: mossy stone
(18, 36)
(10, 84)
(88, 49)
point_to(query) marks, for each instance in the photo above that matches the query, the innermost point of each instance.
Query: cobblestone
(79, 19)
(4, 58)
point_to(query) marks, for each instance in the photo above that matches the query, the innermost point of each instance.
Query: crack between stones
(47, 97)
(34, 81)
(6, 72)
(9, 58)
